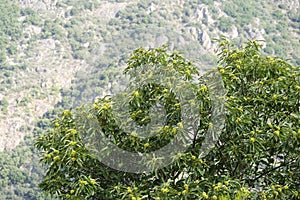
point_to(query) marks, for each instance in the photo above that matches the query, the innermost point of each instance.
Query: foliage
(52, 29)
(242, 11)
(10, 27)
(78, 28)
(31, 16)
(20, 172)
(257, 156)
(4, 105)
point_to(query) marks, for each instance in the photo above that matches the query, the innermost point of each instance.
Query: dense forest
(57, 55)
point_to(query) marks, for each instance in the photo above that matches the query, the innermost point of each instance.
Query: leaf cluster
(256, 157)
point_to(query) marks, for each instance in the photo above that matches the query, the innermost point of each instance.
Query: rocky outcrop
(39, 4)
(108, 10)
(204, 39)
(202, 14)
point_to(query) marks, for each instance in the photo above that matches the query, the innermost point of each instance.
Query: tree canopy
(256, 155)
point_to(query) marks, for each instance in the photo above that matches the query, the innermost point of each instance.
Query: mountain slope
(60, 38)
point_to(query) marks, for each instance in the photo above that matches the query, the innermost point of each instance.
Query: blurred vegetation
(10, 28)
(20, 172)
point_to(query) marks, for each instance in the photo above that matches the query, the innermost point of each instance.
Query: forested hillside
(58, 54)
